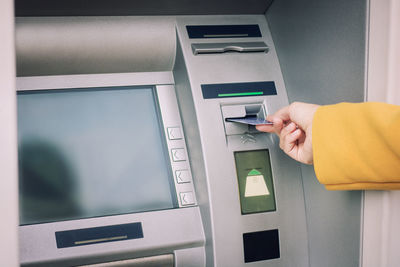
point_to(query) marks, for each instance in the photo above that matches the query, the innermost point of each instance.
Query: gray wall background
(321, 50)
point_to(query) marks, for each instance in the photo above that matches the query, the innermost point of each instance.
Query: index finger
(269, 128)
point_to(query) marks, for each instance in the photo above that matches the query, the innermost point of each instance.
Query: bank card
(251, 120)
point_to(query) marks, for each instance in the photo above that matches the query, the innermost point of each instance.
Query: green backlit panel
(254, 175)
(240, 94)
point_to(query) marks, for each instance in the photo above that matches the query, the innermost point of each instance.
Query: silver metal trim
(241, 47)
(93, 80)
(171, 118)
(154, 261)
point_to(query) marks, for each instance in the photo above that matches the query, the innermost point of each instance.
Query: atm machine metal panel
(211, 145)
(219, 198)
(176, 232)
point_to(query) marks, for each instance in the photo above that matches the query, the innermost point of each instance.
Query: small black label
(223, 31)
(88, 236)
(259, 246)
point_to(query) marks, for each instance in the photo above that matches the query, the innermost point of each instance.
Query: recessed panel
(92, 152)
(259, 246)
(95, 235)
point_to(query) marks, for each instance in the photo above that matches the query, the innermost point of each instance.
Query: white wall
(8, 140)
(381, 239)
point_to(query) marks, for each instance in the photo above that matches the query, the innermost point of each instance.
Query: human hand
(293, 125)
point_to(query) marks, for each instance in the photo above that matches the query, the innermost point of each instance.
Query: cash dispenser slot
(241, 111)
(240, 47)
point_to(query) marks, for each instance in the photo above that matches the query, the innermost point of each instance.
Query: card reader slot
(245, 117)
(230, 112)
(250, 112)
(223, 31)
(242, 47)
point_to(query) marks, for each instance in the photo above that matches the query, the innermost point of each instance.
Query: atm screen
(91, 152)
(256, 187)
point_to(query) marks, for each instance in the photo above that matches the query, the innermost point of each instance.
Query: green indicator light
(241, 94)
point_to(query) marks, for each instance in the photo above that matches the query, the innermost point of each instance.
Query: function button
(182, 176)
(178, 154)
(174, 133)
(187, 198)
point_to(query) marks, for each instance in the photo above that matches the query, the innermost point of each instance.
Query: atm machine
(128, 157)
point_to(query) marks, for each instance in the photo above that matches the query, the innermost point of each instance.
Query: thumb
(302, 114)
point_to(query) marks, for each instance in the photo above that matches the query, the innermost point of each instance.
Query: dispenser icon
(255, 184)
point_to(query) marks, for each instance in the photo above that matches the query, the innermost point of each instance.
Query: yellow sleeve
(357, 146)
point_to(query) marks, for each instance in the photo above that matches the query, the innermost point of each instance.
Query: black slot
(223, 31)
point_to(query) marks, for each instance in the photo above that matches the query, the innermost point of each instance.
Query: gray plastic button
(182, 176)
(187, 198)
(178, 154)
(174, 133)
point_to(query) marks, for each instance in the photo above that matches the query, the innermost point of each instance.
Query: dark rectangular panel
(138, 7)
(88, 236)
(223, 31)
(259, 246)
(238, 89)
